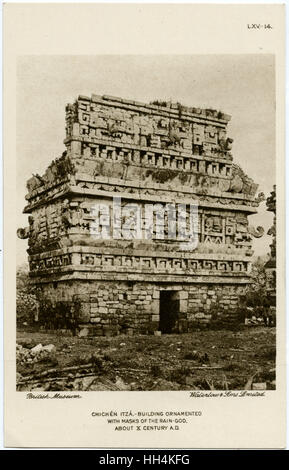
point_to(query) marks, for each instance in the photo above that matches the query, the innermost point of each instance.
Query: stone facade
(159, 153)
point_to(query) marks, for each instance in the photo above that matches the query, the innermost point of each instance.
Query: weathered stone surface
(94, 282)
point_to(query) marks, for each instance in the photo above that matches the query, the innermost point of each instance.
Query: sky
(242, 86)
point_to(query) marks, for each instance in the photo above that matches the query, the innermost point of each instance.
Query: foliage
(159, 103)
(59, 315)
(256, 294)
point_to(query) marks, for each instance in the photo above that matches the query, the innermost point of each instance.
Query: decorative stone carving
(256, 232)
(23, 232)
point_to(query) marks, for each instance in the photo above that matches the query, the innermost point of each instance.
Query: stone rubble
(38, 352)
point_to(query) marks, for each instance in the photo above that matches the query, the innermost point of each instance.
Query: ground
(202, 360)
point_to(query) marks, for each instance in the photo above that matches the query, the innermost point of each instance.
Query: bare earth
(202, 360)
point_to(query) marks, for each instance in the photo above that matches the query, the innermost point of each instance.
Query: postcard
(144, 226)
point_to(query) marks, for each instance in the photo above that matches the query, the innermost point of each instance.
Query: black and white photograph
(144, 227)
(146, 256)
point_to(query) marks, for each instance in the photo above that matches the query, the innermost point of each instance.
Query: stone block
(155, 307)
(199, 315)
(94, 298)
(195, 301)
(183, 295)
(109, 331)
(96, 320)
(103, 310)
(84, 313)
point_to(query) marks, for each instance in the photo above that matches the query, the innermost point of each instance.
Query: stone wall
(127, 307)
(227, 231)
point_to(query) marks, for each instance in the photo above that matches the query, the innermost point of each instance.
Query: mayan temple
(96, 274)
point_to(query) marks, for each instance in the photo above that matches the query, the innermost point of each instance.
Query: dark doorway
(169, 310)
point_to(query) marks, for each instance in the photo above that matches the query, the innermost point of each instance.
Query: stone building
(162, 155)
